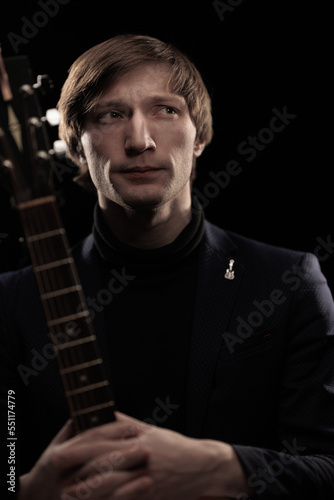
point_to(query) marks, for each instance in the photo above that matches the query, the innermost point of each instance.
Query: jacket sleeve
(304, 468)
(9, 400)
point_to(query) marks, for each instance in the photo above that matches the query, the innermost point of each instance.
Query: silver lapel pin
(229, 275)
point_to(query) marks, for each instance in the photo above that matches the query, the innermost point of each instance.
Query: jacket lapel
(215, 298)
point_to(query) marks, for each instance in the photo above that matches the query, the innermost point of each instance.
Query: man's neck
(147, 227)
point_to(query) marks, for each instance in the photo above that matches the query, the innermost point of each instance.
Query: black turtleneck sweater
(149, 322)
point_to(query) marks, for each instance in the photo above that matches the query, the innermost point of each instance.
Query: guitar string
(55, 308)
(50, 282)
(74, 355)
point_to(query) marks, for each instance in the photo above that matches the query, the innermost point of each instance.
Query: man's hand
(182, 468)
(101, 461)
(131, 460)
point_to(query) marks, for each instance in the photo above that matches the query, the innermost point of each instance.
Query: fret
(81, 377)
(68, 318)
(36, 203)
(74, 343)
(64, 305)
(53, 277)
(49, 250)
(65, 332)
(63, 291)
(91, 409)
(81, 366)
(47, 234)
(90, 399)
(98, 417)
(87, 388)
(53, 264)
(70, 332)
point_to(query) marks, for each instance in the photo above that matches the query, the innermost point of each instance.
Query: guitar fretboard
(87, 390)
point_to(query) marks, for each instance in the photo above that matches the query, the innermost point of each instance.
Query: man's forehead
(148, 81)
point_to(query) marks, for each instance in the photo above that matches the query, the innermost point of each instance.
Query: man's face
(139, 141)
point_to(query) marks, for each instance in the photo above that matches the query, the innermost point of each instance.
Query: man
(219, 348)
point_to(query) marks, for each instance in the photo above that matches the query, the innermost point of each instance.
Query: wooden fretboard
(87, 390)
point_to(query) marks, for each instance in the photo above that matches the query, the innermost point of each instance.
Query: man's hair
(106, 63)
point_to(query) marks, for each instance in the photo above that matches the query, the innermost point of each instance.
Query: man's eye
(113, 114)
(167, 110)
(170, 110)
(110, 115)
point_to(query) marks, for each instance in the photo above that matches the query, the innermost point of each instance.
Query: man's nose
(138, 137)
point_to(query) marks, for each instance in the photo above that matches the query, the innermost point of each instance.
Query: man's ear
(82, 157)
(199, 148)
(79, 153)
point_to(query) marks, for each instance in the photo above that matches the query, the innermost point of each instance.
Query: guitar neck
(86, 387)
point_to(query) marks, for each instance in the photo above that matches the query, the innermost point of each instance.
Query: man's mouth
(141, 169)
(141, 172)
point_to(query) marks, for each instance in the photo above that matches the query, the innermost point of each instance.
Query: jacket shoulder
(247, 248)
(263, 261)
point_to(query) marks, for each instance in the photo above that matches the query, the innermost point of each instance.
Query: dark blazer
(261, 369)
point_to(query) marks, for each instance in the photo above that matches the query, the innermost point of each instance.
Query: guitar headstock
(24, 136)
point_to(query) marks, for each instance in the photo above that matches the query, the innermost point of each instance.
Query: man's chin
(142, 202)
(143, 197)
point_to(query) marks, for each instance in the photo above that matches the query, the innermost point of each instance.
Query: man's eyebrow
(167, 97)
(110, 103)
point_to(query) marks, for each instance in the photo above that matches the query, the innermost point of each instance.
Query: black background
(262, 55)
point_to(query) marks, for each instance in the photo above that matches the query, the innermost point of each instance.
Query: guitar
(28, 157)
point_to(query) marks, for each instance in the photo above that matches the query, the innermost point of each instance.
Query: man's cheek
(95, 137)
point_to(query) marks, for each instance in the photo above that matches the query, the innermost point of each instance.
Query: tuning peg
(59, 149)
(5, 178)
(44, 84)
(52, 117)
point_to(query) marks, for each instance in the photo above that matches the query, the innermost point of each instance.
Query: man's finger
(101, 485)
(133, 489)
(86, 447)
(65, 433)
(127, 459)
